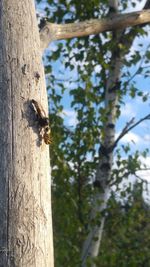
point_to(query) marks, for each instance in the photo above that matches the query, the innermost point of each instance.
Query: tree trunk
(25, 201)
(103, 176)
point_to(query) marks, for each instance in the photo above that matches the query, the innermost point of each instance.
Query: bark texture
(25, 220)
(53, 31)
(103, 176)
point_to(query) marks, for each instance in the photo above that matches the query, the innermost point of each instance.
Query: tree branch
(128, 128)
(52, 31)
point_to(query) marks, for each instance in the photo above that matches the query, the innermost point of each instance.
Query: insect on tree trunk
(25, 204)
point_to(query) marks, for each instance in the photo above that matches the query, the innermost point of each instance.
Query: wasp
(43, 122)
(47, 135)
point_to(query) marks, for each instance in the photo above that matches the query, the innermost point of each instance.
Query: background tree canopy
(77, 73)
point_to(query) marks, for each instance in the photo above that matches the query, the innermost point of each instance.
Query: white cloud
(97, 68)
(130, 137)
(146, 161)
(139, 6)
(135, 138)
(145, 176)
(53, 47)
(147, 138)
(128, 110)
(70, 117)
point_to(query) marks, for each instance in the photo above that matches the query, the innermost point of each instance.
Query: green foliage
(126, 241)
(78, 70)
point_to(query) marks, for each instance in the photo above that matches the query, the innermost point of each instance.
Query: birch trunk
(92, 243)
(25, 203)
(103, 176)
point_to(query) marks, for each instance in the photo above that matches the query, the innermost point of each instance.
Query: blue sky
(132, 107)
(139, 137)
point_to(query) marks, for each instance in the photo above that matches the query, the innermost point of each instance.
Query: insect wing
(39, 109)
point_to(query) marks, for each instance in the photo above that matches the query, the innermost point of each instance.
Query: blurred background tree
(80, 75)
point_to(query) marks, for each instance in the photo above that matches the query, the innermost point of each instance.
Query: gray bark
(103, 176)
(53, 31)
(25, 201)
(92, 243)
